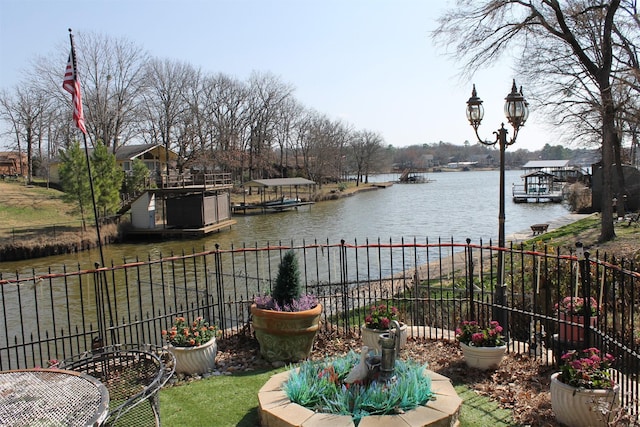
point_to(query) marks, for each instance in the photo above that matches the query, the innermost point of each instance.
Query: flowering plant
(472, 334)
(183, 334)
(380, 316)
(587, 369)
(575, 306)
(304, 302)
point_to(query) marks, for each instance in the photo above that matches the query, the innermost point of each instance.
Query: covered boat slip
(277, 194)
(544, 181)
(538, 186)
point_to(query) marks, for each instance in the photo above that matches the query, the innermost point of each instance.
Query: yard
(517, 394)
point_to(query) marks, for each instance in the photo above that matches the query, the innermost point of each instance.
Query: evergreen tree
(74, 178)
(287, 287)
(137, 180)
(107, 179)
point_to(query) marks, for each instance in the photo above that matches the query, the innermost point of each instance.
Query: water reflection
(459, 205)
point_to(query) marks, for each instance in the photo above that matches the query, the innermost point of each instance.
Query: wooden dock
(178, 233)
(249, 208)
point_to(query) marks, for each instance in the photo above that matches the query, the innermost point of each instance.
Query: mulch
(520, 384)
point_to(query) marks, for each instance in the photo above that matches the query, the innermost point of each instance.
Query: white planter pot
(195, 360)
(371, 337)
(577, 407)
(483, 357)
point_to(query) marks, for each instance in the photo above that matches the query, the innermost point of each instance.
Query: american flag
(72, 85)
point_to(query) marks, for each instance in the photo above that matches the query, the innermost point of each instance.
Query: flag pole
(79, 121)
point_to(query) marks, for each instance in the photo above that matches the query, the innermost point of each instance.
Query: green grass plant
(232, 401)
(217, 401)
(320, 385)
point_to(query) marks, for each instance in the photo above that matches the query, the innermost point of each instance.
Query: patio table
(51, 397)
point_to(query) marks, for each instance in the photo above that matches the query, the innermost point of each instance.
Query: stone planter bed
(276, 410)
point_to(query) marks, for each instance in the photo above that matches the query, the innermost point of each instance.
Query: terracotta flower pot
(371, 337)
(286, 336)
(483, 357)
(573, 333)
(195, 360)
(579, 407)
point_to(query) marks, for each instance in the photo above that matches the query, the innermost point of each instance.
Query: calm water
(459, 205)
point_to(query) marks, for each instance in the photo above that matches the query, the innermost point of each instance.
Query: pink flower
(471, 333)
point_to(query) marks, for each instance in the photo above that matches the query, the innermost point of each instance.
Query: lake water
(456, 205)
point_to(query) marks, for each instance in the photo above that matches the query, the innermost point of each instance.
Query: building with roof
(154, 156)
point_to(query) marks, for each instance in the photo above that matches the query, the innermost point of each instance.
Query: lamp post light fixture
(517, 111)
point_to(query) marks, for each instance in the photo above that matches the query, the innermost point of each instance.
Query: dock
(248, 208)
(178, 233)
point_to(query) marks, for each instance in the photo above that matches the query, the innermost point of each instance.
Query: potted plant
(287, 321)
(583, 392)
(482, 346)
(378, 322)
(193, 345)
(571, 312)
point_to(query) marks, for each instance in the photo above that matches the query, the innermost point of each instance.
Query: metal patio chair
(133, 374)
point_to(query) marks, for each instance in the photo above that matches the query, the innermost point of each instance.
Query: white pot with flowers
(483, 347)
(378, 322)
(583, 392)
(193, 345)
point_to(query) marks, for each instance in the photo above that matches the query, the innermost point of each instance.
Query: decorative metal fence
(55, 315)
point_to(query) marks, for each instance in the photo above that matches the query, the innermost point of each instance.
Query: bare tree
(166, 106)
(285, 132)
(112, 74)
(322, 146)
(578, 32)
(267, 95)
(220, 109)
(363, 148)
(24, 113)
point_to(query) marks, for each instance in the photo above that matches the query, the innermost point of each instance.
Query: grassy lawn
(232, 400)
(32, 206)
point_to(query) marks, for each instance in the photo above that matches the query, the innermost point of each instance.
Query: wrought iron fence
(55, 315)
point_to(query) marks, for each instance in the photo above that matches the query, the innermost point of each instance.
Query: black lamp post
(517, 111)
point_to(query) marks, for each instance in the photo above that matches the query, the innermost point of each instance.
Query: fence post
(585, 278)
(472, 308)
(345, 290)
(220, 289)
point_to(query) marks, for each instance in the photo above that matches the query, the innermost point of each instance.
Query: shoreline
(523, 235)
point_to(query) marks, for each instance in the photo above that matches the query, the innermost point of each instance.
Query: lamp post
(517, 111)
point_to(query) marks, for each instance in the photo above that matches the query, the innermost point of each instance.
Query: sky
(369, 63)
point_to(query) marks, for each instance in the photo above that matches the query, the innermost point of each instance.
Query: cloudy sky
(370, 63)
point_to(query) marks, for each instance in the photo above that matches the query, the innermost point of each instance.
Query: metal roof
(278, 182)
(540, 164)
(538, 173)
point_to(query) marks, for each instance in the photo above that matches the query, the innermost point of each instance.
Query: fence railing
(434, 284)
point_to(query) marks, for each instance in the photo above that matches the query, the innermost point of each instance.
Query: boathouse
(187, 206)
(539, 186)
(277, 194)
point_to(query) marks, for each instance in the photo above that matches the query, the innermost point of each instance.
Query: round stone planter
(286, 336)
(195, 360)
(371, 337)
(578, 407)
(483, 357)
(275, 408)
